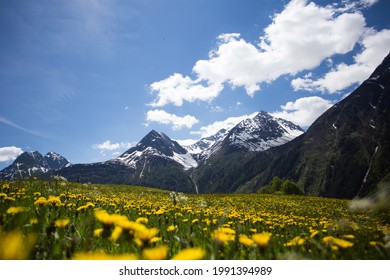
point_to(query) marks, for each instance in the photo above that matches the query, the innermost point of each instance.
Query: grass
(63, 220)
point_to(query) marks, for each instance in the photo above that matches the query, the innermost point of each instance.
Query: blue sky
(88, 79)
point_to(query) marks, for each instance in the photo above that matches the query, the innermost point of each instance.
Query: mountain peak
(262, 132)
(156, 144)
(55, 161)
(30, 164)
(160, 142)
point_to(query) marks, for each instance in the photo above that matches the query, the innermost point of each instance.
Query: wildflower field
(63, 220)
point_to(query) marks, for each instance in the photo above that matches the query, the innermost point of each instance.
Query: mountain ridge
(343, 154)
(161, 162)
(31, 164)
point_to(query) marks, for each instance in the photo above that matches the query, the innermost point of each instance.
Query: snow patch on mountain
(160, 145)
(259, 132)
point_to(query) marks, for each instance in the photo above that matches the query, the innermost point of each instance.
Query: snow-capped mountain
(254, 134)
(156, 144)
(30, 164)
(261, 133)
(55, 161)
(207, 145)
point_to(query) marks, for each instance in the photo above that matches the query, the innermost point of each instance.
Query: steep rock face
(345, 151)
(56, 161)
(206, 146)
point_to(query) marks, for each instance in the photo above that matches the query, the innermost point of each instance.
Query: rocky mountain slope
(345, 152)
(31, 164)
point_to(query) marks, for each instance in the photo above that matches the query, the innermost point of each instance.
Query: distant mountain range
(344, 153)
(161, 162)
(31, 164)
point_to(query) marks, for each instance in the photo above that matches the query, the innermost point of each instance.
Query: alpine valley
(343, 154)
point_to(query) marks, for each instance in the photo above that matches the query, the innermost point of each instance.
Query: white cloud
(375, 46)
(303, 111)
(177, 122)
(9, 153)
(299, 38)
(176, 89)
(108, 146)
(214, 127)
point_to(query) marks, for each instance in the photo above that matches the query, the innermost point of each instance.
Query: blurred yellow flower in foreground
(15, 246)
(102, 256)
(190, 254)
(339, 243)
(156, 253)
(61, 223)
(243, 239)
(296, 241)
(261, 239)
(16, 210)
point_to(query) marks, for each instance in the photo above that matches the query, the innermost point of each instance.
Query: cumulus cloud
(176, 89)
(9, 153)
(303, 111)
(177, 122)
(214, 127)
(108, 146)
(299, 38)
(375, 46)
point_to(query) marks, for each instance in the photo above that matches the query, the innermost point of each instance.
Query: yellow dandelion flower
(228, 230)
(40, 201)
(314, 233)
(190, 254)
(142, 220)
(97, 232)
(16, 210)
(194, 221)
(375, 243)
(340, 243)
(261, 239)
(3, 195)
(349, 236)
(171, 228)
(243, 239)
(156, 253)
(116, 233)
(131, 226)
(34, 221)
(155, 240)
(147, 234)
(61, 223)
(102, 256)
(296, 241)
(5, 186)
(37, 194)
(223, 235)
(15, 246)
(54, 200)
(160, 211)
